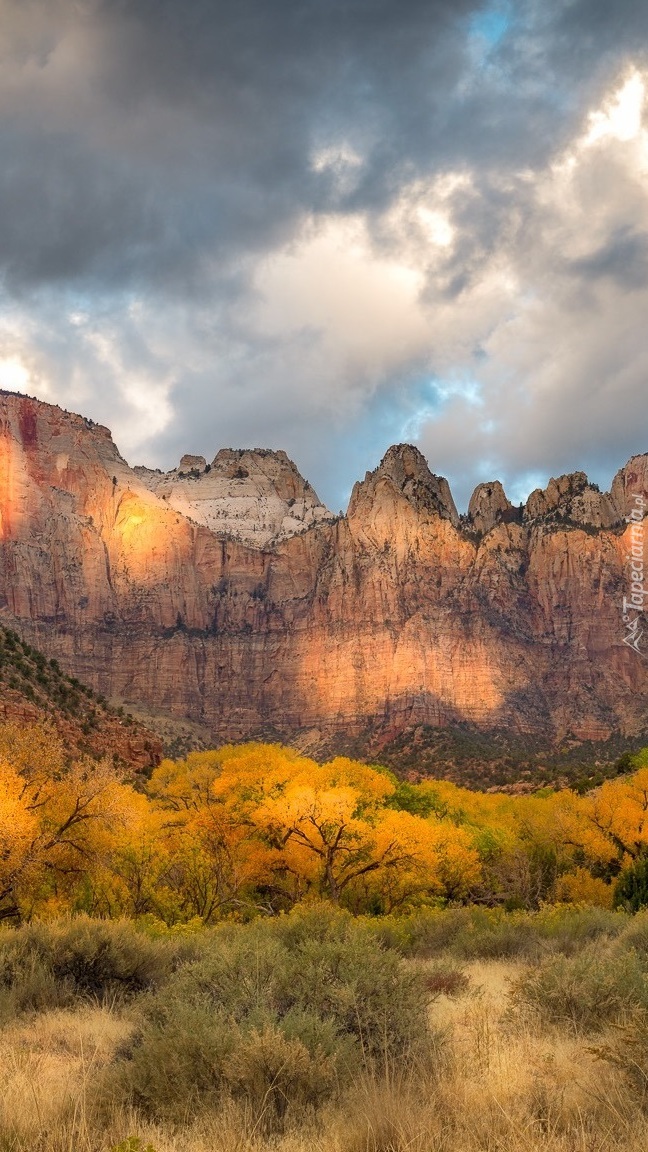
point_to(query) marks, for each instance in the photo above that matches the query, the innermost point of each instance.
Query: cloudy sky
(332, 225)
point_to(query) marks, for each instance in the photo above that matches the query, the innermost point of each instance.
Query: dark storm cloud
(151, 129)
(66, 215)
(622, 258)
(139, 132)
(587, 34)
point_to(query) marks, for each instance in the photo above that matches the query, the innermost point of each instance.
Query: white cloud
(621, 116)
(557, 310)
(362, 313)
(14, 375)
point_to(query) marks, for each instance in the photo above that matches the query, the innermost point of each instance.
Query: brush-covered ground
(35, 690)
(455, 1031)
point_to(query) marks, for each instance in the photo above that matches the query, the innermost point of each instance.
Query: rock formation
(488, 506)
(574, 500)
(256, 495)
(211, 596)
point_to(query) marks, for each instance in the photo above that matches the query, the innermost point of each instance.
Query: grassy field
(321, 1033)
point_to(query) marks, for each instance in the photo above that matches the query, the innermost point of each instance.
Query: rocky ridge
(309, 627)
(253, 494)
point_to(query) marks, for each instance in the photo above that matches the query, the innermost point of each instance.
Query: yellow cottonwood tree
(216, 862)
(18, 831)
(65, 818)
(616, 818)
(330, 828)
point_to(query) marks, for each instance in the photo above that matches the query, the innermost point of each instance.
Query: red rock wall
(396, 614)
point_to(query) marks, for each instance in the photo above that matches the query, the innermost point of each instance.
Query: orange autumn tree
(18, 831)
(257, 827)
(616, 819)
(58, 820)
(215, 862)
(128, 876)
(329, 829)
(533, 847)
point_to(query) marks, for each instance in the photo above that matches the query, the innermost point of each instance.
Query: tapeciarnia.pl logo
(634, 599)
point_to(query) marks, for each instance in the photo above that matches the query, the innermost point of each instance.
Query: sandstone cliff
(399, 614)
(256, 495)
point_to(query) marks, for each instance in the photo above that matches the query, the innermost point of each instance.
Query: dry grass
(501, 1085)
(47, 1063)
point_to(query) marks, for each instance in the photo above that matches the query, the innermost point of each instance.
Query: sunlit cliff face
(420, 677)
(401, 556)
(144, 532)
(7, 502)
(13, 486)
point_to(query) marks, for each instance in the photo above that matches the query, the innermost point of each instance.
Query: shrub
(446, 979)
(51, 965)
(28, 985)
(492, 933)
(587, 991)
(628, 1050)
(335, 967)
(422, 934)
(636, 935)
(275, 1012)
(174, 1066)
(567, 928)
(275, 1069)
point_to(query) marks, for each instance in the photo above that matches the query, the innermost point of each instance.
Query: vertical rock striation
(208, 594)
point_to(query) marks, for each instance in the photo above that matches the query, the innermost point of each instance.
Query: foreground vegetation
(447, 1030)
(248, 950)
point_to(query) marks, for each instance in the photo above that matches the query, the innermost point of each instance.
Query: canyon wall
(227, 594)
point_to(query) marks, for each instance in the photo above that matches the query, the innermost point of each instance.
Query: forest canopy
(259, 828)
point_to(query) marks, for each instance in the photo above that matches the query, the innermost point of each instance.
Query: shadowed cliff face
(400, 613)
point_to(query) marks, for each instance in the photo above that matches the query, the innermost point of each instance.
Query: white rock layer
(256, 495)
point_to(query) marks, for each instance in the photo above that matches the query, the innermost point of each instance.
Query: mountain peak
(405, 468)
(255, 494)
(488, 504)
(572, 498)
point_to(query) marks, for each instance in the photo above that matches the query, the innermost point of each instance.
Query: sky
(329, 226)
